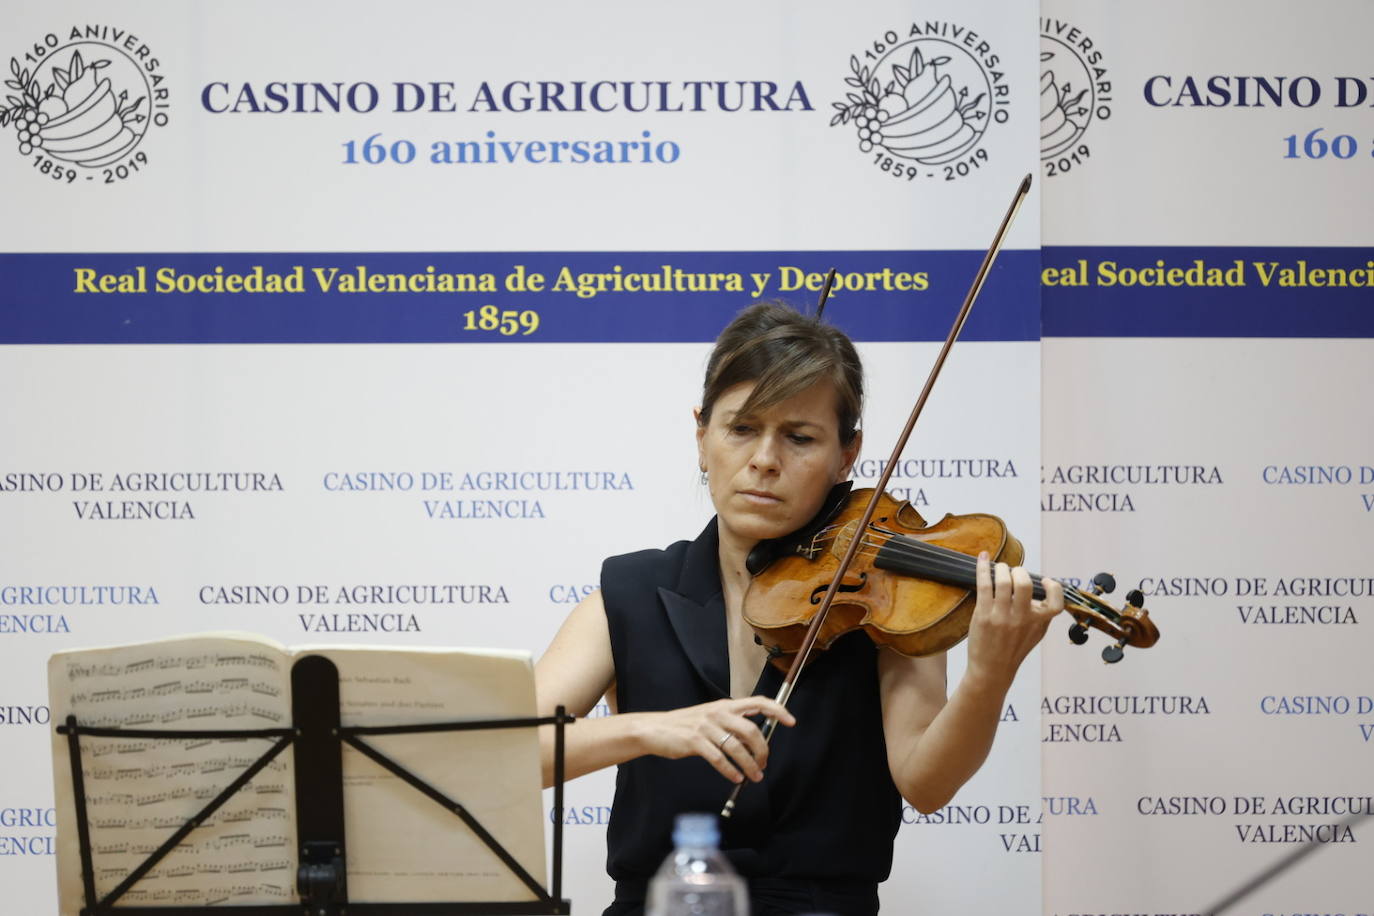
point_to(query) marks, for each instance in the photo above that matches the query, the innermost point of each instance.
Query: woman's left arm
(934, 745)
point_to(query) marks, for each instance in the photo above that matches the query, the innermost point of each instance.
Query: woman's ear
(701, 439)
(850, 454)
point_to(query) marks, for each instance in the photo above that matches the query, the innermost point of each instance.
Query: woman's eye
(799, 439)
(741, 429)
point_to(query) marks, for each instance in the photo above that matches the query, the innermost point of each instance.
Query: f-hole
(818, 592)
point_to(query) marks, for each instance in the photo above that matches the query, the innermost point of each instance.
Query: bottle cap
(696, 830)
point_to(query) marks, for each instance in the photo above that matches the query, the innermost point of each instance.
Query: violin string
(934, 558)
(962, 568)
(942, 559)
(965, 570)
(958, 568)
(949, 561)
(954, 560)
(937, 560)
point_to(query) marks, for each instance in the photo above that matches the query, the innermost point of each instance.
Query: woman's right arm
(578, 669)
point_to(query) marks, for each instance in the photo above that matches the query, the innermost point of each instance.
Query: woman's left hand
(1007, 621)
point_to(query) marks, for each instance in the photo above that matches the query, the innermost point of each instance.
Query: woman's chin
(757, 527)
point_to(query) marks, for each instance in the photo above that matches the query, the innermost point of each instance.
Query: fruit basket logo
(1063, 113)
(1075, 91)
(926, 100)
(87, 103)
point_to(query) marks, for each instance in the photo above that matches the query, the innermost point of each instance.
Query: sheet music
(401, 845)
(140, 791)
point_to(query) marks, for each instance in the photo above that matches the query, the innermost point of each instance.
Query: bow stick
(789, 682)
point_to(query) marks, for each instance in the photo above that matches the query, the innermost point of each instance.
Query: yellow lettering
(85, 280)
(790, 279)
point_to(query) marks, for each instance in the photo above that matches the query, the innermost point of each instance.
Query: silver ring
(720, 745)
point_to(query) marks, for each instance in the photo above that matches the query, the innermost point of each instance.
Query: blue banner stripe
(56, 299)
(1125, 292)
(1263, 306)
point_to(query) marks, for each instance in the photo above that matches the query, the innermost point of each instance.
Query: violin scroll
(1130, 626)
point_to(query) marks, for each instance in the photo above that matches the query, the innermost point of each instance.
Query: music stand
(317, 737)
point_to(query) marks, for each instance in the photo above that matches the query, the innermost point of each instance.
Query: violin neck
(907, 556)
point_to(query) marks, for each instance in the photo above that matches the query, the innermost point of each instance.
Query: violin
(902, 567)
(911, 584)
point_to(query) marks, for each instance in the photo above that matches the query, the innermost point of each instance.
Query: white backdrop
(305, 387)
(1170, 416)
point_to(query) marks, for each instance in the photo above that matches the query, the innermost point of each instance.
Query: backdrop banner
(383, 325)
(1206, 300)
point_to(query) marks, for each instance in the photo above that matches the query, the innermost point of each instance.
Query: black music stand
(321, 875)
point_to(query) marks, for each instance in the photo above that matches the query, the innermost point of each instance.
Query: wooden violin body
(868, 546)
(916, 616)
(912, 585)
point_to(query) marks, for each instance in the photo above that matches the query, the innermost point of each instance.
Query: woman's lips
(760, 497)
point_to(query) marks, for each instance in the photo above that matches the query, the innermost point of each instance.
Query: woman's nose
(765, 457)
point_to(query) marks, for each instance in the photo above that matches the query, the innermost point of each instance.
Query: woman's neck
(746, 655)
(734, 575)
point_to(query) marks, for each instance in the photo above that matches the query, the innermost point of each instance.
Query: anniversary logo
(1074, 91)
(926, 100)
(81, 109)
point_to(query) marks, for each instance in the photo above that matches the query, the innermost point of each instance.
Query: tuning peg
(1135, 598)
(1113, 653)
(1078, 634)
(1104, 584)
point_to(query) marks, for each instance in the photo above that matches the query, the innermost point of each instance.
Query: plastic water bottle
(696, 880)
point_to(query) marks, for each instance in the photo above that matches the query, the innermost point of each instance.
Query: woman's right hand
(578, 669)
(721, 733)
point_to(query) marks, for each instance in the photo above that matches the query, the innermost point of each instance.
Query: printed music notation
(238, 894)
(225, 686)
(139, 791)
(205, 767)
(195, 661)
(227, 815)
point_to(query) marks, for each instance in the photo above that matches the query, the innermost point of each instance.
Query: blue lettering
(205, 97)
(584, 816)
(26, 845)
(33, 623)
(1305, 706)
(28, 817)
(569, 594)
(1150, 91)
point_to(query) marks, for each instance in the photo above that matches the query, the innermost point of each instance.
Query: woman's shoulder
(675, 567)
(660, 565)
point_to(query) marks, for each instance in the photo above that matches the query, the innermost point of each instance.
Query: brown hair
(784, 352)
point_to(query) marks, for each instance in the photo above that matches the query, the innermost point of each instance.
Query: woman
(665, 641)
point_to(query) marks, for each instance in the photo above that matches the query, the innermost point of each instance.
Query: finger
(1022, 591)
(750, 739)
(716, 757)
(1054, 597)
(747, 751)
(983, 577)
(758, 705)
(749, 747)
(1001, 587)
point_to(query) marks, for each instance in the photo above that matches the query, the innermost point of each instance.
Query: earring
(704, 478)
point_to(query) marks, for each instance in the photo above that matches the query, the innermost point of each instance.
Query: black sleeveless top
(826, 810)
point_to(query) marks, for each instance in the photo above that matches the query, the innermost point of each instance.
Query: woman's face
(769, 474)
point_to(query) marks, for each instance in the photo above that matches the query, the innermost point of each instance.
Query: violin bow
(825, 293)
(818, 620)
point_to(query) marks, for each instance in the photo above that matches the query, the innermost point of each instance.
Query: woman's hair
(784, 352)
